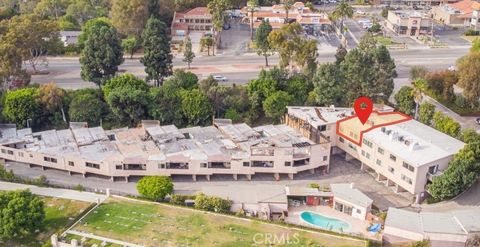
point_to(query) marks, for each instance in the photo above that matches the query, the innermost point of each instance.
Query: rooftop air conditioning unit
(414, 146)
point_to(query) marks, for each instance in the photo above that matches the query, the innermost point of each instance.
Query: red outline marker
(363, 113)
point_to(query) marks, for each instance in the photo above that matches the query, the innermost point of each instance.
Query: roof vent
(393, 135)
(383, 129)
(414, 146)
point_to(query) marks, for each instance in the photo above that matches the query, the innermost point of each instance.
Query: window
(391, 169)
(10, 152)
(288, 163)
(161, 166)
(352, 147)
(409, 167)
(367, 142)
(92, 165)
(70, 163)
(20, 154)
(392, 157)
(406, 179)
(365, 154)
(325, 158)
(4, 151)
(322, 127)
(380, 150)
(246, 164)
(341, 139)
(359, 211)
(203, 165)
(119, 167)
(49, 159)
(379, 162)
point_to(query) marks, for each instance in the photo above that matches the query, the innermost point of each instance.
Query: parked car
(478, 120)
(452, 68)
(220, 78)
(367, 25)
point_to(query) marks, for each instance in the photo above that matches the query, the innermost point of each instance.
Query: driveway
(341, 171)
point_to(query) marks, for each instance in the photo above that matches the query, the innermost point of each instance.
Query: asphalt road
(242, 68)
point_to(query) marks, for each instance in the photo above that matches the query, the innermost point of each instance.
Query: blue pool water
(324, 222)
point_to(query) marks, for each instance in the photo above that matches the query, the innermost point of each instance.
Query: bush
(155, 188)
(79, 187)
(180, 199)
(314, 185)
(212, 203)
(7, 176)
(471, 32)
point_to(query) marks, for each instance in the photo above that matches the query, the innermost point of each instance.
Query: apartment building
(398, 151)
(276, 16)
(225, 148)
(409, 23)
(197, 19)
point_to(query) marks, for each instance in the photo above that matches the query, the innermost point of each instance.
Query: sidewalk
(53, 192)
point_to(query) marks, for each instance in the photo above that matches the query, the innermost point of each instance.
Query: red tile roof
(465, 6)
(198, 11)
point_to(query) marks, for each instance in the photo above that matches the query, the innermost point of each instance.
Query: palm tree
(341, 12)
(287, 5)
(252, 6)
(419, 86)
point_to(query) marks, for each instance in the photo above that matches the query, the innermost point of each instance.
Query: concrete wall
(403, 233)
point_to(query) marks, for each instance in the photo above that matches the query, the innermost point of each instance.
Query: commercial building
(409, 23)
(225, 148)
(277, 16)
(442, 229)
(69, 37)
(461, 14)
(398, 151)
(197, 19)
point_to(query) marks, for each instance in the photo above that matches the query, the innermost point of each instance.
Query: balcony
(430, 175)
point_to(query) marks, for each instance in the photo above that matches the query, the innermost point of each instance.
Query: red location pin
(363, 108)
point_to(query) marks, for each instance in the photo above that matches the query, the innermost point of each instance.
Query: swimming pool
(324, 222)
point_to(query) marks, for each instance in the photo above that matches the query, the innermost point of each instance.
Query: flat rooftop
(160, 143)
(352, 129)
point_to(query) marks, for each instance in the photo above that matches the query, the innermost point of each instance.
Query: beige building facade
(399, 152)
(234, 149)
(409, 23)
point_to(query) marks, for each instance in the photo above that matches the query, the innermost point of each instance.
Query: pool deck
(357, 227)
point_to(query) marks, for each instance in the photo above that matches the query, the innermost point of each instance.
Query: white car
(452, 68)
(220, 78)
(367, 25)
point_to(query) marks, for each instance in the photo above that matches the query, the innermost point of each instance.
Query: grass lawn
(384, 40)
(59, 213)
(470, 38)
(161, 225)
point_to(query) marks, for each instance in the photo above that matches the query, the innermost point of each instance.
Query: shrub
(314, 185)
(155, 188)
(212, 203)
(471, 32)
(79, 187)
(180, 199)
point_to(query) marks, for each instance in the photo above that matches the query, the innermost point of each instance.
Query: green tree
(405, 100)
(12, 74)
(88, 27)
(196, 107)
(157, 57)
(276, 104)
(21, 214)
(21, 106)
(155, 188)
(188, 54)
(470, 136)
(68, 23)
(342, 11)
(369, 71)
(33, 38)
(84, 10)
(469, 77)
(53, 98)
(212, 203)
(130, 45)
(252, 7)
(129, 16)
(446, 124)
(287, 6)
(126, 97)
(102, 55)
(51, 9)
(425, 113)
(298, 87)
(329, 85)
(207, 41)
(217, 9)
(86, 106)
(261, 40)
(165, 106)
